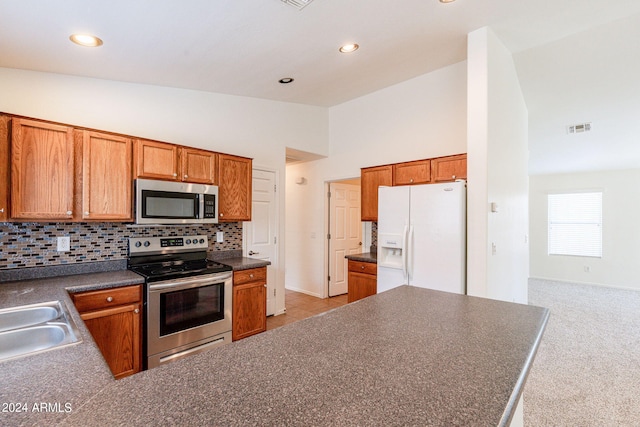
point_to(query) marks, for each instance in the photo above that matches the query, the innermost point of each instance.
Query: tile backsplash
(34, 244)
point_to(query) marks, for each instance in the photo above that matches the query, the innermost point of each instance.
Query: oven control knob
(138, 244)
(147, 243)
(201, 241)
(188, 242)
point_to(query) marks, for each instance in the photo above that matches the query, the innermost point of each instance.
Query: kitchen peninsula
(409, 356)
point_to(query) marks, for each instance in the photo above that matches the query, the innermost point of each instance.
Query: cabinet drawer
(363, 267)
(252, 275)
(105, 298)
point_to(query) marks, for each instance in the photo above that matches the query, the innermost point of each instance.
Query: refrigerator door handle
(405, 235)
(410, 254)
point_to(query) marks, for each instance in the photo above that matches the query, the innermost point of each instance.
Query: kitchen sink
(34, 328)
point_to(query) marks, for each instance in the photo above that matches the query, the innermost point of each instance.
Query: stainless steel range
(187, 298)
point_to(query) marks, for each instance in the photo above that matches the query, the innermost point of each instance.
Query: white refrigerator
(422, 236)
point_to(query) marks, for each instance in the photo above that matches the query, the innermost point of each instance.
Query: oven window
(185, 309)
(164, 204)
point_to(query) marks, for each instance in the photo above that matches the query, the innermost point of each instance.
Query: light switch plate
(220, 236)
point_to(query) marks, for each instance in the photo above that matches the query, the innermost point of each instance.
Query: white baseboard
(576, 282)
(303, 291)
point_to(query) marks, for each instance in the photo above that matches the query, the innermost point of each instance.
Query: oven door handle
(189, 282)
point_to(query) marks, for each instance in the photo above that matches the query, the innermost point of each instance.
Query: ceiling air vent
(579, 128)
(298, 4)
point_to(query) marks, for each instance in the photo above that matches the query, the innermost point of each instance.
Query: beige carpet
(587, 370)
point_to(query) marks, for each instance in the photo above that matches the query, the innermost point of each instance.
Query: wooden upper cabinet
(5, 122)
(370, 180)
(449, 168)
(42, 170)
(234, 188)
(198, 165)
(160, 160)
(106, 177)
(409, 173)
(156, 160)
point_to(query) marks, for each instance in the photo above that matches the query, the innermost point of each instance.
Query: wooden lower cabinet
(249, 302)
(362, 280)
(114, 318)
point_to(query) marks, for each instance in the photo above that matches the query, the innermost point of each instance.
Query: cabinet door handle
(186, 176)
(86, 213)
(251, 276)
(1, 210)
(109, 299)
(254, 253)
(453, 176)
(175, 174)
(362, 267)
(411, 180)
(136, 311)
(69, 212)
(221, 214)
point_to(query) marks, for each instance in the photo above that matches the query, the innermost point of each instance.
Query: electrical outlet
(587, 269)
(220, 236)
(64, 244)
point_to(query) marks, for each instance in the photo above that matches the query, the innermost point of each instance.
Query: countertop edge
(512, 403)
(363, 257)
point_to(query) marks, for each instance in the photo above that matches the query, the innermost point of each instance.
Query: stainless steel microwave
(168, 202)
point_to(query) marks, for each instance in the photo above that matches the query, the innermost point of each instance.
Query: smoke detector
(298, 4)
(579, 128)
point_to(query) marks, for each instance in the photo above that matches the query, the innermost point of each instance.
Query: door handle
(254, 253)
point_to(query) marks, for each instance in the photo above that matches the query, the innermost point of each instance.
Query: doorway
(261, 233)
(345, 232)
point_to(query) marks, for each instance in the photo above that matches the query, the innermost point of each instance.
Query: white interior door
(261, 231)
(345, 232)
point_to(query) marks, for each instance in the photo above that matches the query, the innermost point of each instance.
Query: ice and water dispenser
(391, 250)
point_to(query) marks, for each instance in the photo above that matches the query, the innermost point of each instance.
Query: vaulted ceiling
(243, 47)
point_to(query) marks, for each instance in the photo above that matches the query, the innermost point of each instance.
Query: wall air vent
(298, 4)
(579, 128)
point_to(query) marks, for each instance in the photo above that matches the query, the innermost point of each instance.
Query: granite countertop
(371, 257)
(243, 263)
(410, 356)
(69, 375)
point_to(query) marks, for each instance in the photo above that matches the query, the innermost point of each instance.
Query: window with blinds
(575, 224)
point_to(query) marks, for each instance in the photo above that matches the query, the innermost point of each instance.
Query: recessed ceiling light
(447, 1)
(85, 40)
(285, 80)
(348, 48)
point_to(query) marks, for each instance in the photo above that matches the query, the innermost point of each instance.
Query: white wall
(421, 118)
(619, 266)
(250, 127)
(497, 172)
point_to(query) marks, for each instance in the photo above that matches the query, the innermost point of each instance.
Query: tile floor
(300, 306)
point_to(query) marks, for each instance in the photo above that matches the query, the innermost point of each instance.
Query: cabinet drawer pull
(362, 267)
(251, 276)
(109, 299)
